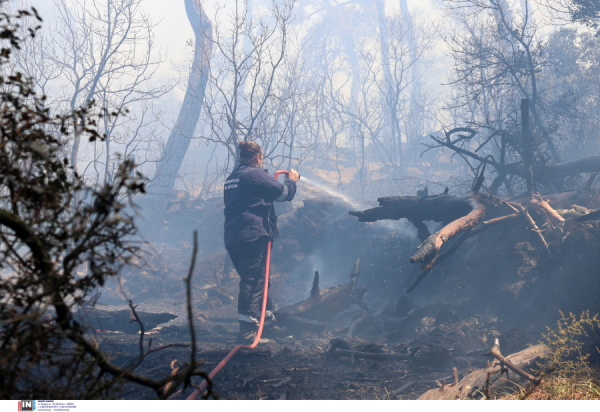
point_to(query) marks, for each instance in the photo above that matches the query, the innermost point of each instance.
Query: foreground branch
(495, 352)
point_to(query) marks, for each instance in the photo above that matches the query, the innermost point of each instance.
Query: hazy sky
(173, 29)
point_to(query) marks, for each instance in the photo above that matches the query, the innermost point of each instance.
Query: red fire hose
(260, 325)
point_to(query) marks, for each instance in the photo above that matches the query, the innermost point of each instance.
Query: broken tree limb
(595, 215)
(480, 178)
(495, 352)
(526, 169)
(544, 209)
(431, 247)
(149, 351)
(454, 247)
(537, 231)
(493, 377)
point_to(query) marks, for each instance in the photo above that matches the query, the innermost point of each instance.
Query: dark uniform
(250, 223)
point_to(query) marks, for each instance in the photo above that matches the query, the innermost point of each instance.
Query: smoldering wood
(457, 213)
(315, 287)
(458, 243)
(296, 324)
(422, 230)
(543, 208)
(595, 215)
(535, 229)
(325, 304)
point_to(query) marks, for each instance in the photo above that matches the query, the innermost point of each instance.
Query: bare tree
(241, 79)
(168, 167)
(497, 58)
(97, 45)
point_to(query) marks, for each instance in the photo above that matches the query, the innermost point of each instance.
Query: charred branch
(544, 209)
(439, 208)
(495, 352)
(431, 247)
(526, 169)
(536, 230)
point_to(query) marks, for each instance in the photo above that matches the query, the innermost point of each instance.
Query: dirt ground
(298, 367)
(498, 285)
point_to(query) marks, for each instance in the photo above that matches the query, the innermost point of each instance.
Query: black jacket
(249, 194)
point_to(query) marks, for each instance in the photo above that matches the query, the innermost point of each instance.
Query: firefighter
(250, 223)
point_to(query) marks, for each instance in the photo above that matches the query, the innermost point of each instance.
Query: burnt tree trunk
(167, 169)
(323, 305)
(527, 146)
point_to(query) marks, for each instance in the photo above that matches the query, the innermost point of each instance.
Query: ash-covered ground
(499, 285)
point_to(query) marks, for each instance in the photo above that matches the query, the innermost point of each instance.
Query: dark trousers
(250, 260)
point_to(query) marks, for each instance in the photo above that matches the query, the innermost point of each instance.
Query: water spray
(331, 192)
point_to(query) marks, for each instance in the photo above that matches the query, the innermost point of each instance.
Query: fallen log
(457, 213)
(495, 352)
(483, 382)
(98, 319)
(323, 305)
(440, 208)
(595, 215)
